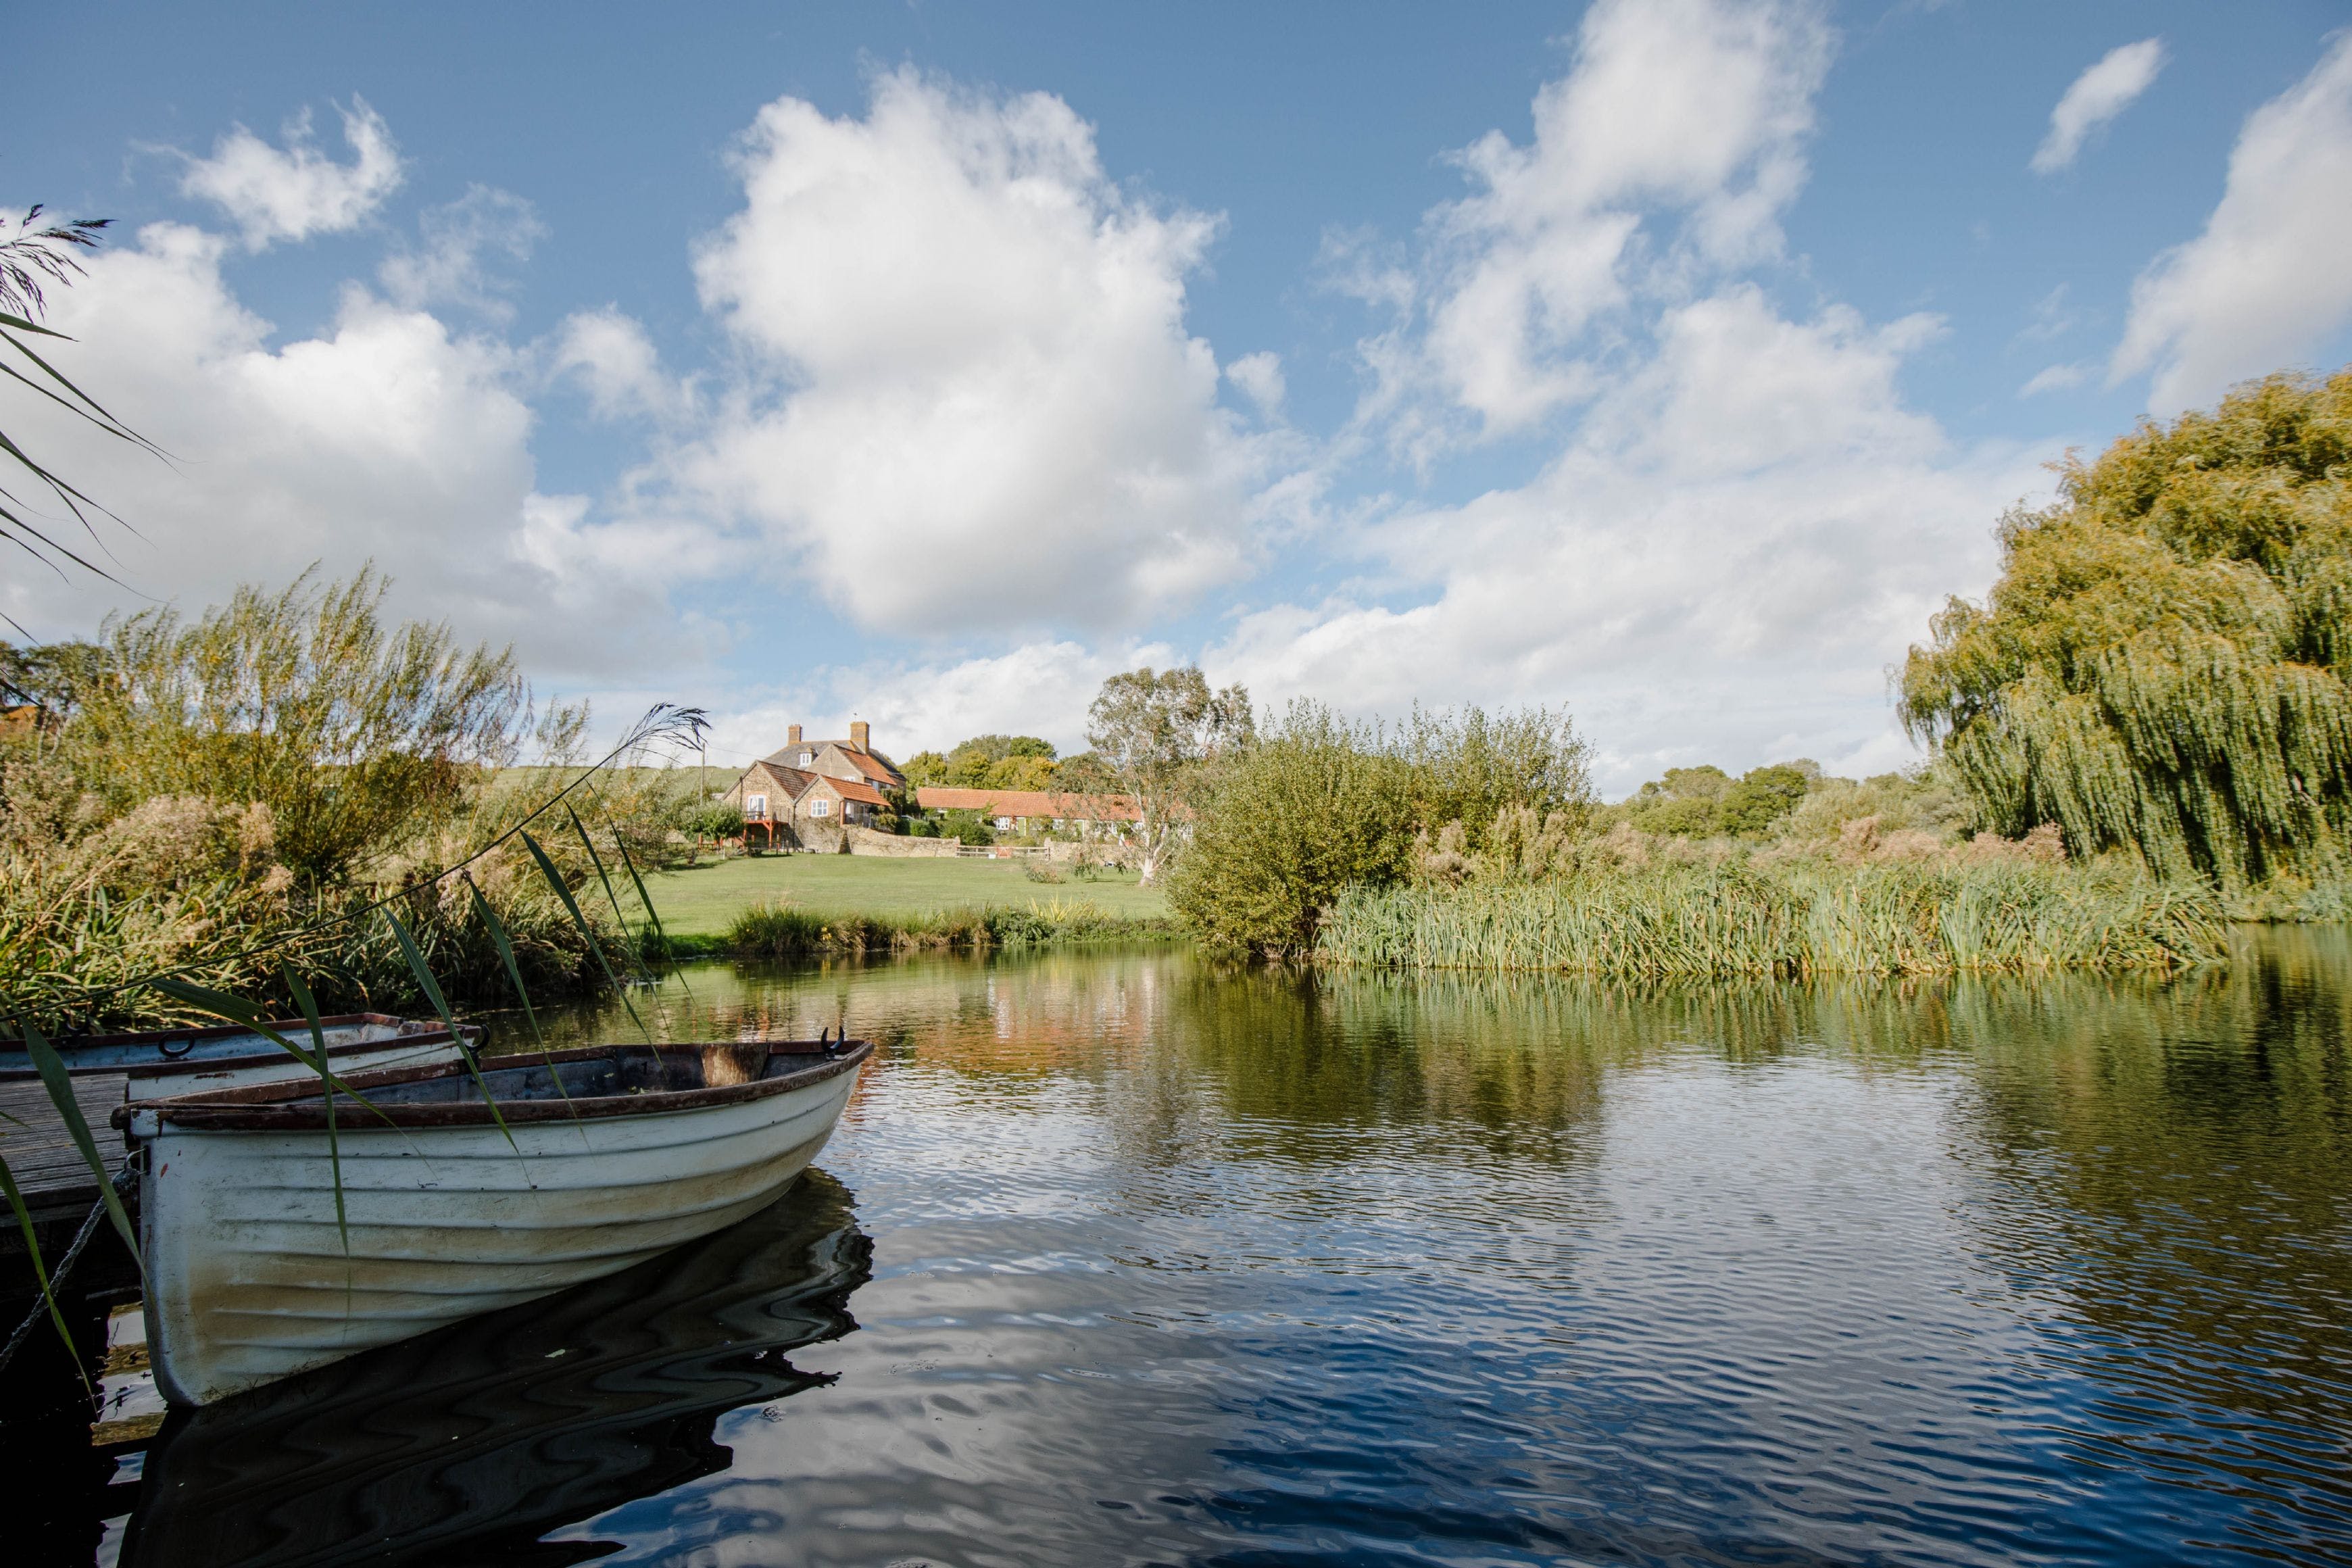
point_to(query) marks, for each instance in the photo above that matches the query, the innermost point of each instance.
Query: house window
(755, 806)
(820, 808)
(1004, 824)
(807, 757)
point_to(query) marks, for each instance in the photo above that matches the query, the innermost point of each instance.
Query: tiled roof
(866, 764)
(791, 781)
(1029, 803)
(864, 761)
(850, 789)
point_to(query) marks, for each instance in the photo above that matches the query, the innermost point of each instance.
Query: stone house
(804, 794)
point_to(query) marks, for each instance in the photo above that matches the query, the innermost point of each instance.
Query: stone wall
(867, 841)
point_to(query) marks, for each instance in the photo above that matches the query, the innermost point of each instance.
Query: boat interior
(607, 1071)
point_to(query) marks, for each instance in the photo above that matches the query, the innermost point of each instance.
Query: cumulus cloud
(454, 265)
(1259, 376)
(273, 195)
(1673, 146)
(610, 354)
(2105, 90)
(1039, 687)
(385, 435)
(2266, 282)
(1722, 564)
(1746, 522)
(984, 409)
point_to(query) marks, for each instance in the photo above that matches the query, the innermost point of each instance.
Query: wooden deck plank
(50, 1170)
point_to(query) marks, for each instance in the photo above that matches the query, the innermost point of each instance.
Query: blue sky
(1667, 362)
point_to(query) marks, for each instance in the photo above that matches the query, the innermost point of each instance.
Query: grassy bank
(779, 930)
(1702, 922)
(705, 902)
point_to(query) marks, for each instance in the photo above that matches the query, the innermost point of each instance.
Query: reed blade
(60, 1084)
(514, 972)
(310, 1007)
(432, 989)
(498, 938)
(40, 1271)
(588, 933)
(629, 864)
(598, 861)
(237, 1010)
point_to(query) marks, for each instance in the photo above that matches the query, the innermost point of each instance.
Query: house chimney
(793, 736)
(858, 733)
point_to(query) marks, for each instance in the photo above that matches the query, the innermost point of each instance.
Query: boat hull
(248, 1279)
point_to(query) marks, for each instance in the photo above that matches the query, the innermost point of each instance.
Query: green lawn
(702, 901)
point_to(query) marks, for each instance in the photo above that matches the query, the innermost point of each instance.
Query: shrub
(1316, 806)
(966, 827)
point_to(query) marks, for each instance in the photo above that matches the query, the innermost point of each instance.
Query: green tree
(2163, 664)
(1154, 733)
(1285, 824)
(1763, 797)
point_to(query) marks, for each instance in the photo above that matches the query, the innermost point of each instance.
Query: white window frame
(820, 808)
(755, 806)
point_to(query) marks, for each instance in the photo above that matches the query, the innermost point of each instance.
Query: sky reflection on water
(1120, 1258)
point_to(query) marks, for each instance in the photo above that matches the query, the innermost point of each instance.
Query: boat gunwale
(468, 1035)
(293, 1028)
(256, 1108)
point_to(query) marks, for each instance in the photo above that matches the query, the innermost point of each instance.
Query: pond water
(1123, 1259)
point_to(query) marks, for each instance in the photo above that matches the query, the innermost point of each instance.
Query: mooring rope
(65, 1265)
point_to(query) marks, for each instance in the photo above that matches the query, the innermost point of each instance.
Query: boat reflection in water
(471, 1442)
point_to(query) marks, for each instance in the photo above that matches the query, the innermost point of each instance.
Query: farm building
(1029, 810)
(805, 794)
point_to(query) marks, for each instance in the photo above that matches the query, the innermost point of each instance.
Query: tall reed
(779, 930)
(1702, 922)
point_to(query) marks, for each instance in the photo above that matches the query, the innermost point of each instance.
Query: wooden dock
(50, 1170)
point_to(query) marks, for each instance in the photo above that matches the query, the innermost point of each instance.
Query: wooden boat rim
(295, 1029)
(262, 1107)
(67, 1045)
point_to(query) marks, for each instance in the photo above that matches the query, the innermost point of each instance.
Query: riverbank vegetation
(1472, 842)
(2145, 731)
(215, 796)
(782, 929)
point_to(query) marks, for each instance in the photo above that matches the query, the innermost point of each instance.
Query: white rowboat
(618, 1152)
(230, 1056)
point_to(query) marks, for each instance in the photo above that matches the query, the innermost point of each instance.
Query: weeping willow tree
(2166, 662)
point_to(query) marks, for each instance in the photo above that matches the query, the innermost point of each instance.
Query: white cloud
(610, 354)
(1693, 108)
(1720, 565)
(1746, 525)
(2105, 90)
(988, 412)
(449, 267)
(1040, 687)
(1259, 376)
(300, 192)
(2266, 282)
(2055, 378)
(384, 436)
